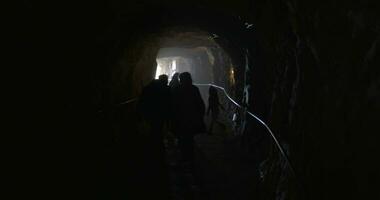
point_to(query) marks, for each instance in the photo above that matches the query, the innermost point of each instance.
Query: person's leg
(190, 148)
(159, 172)
(186, 145)
(182, 147)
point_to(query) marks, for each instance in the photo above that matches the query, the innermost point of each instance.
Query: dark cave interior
(310, 70)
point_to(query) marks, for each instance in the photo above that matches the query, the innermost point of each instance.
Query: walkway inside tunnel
(212, 175)
(220, 169)
(229, 159)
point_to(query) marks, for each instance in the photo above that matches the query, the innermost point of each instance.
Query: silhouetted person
(174, 84)
(154, 105)
(175, 80)
(213, 107)
(188, 113)
(154, 102)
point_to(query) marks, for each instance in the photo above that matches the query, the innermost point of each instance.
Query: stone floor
(220, 170)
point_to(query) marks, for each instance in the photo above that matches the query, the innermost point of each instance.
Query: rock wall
(313, 73)
(323, 72)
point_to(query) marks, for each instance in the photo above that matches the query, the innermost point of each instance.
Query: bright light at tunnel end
(158, 71)
(166, 69)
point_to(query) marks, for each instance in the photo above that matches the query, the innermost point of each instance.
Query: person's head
(185, 78)
(163, 78)
(175, 76)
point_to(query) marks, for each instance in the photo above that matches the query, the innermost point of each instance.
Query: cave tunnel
(194, 51)
(212, 57)
(299, 83)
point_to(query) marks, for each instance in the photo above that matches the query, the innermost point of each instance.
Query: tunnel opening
(181, 49)
(199, 54)
(212, 55)
(211, 59)
(215, 48)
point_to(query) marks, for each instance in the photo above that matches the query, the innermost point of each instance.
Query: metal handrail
(128, 101)
(259, 120)
(281, 149)
(122, 103)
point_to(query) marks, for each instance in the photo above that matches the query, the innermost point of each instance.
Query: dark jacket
(188, 110)
(154, 101)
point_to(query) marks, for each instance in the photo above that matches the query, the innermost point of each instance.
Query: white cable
(259, 120)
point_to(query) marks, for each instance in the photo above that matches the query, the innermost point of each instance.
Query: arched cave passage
(194, 51)
(134, 50)
(310, 70)
(213, 55)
